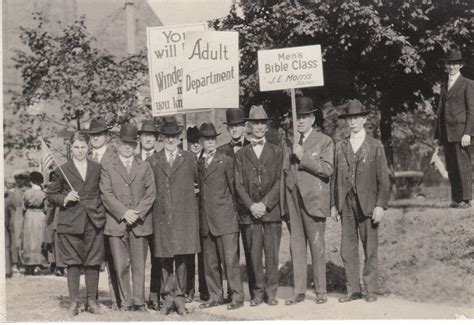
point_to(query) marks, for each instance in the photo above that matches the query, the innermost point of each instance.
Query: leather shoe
(209, 304)
(350, 297)
(255, 302)
(154, 305)
(464, 205)
(371, 297)
(73, 309)
(189, 299)
(126, 308)
(167, 305)
(94, 308)
(272, 302)
(321, 298)
(179, 305)
(140, 308)
(235, 305)
(295, 299)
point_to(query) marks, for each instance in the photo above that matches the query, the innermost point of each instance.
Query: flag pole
(56, 162)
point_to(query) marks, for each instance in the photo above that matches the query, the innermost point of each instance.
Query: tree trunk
(386, 131)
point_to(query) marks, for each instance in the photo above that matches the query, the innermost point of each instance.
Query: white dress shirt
(259, 148)
(145, 152)
(100, 153)
(208, 157)
(306, 135)
(168, 153)
(81, 167)
(357, 139)
(452, 80)
(126, 161)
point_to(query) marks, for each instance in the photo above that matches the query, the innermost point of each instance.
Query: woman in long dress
(33, 226)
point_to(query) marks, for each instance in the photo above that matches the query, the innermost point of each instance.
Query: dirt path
(39, 299)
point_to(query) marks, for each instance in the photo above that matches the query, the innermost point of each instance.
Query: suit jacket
(175, 211)
(72, 217)
(311, 175)
(258, 180)
(218, 212)
(457, 105)
(108, 155)
(228, 149)
(371, 175)
(121, 192)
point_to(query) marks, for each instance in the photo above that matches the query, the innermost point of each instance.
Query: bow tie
(257, 142)
(236, 144)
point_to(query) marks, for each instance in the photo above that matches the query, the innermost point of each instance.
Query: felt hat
(148, 126)
(98, 126)
(128, 133)
(453, 55)
(170, 126)
(354, 108)
(304, 106)
(192, 134)
(234, 116)
(208, 130)
(257, 113)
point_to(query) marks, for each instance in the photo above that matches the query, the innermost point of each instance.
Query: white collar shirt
(452, 80)
(357, 139)
(126, 161)
(169, 153)
(208, 157)
(306, 135)
(99, 153)
(81, 167)
(147, 153)
(259, 148)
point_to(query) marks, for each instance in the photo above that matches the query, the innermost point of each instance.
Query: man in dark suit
(257, 181)
(74, 189)
(100, 152)
(235, 126)
(148, 138)
(307, 170)
(359, 192)
(175, 214)
(128, 191)
(454, 129)
(219, 222)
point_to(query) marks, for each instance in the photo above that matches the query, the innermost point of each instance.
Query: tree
(385, 53)
(67, 70)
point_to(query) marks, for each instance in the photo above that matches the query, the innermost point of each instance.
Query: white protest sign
(165, 59)
(293, 67)
(211, 70)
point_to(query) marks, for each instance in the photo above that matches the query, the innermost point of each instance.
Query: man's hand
(335, 214)
(298, 151)
(130, 217)
(72, 196)
(466, 140)
(377, 216)
(258, 209)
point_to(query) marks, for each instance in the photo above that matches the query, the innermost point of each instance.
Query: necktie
(95, 157)
(236, 144)
(128, 165)
(171, 159)
(147, 154)
(257, 142)
(300, 141)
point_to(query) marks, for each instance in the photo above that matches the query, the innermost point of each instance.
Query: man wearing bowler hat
(359, 193)
(307, 169)
(235, 126)
(455, 128)
(148, 135)
(128, 192)
(175, 214)
(219, 221)
(100, 153)
(257, 183)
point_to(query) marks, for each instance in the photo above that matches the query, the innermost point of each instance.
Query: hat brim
(98, 130)
(354, 114)
(147, 131)
(180, 129)
(256, 119)
(209, 135)
(306, 113)
(127, 139)
(235, 123)
(454, 60)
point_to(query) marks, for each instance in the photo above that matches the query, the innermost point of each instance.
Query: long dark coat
(175, 211)
(218, 211)
(72, 217)
(258, 180)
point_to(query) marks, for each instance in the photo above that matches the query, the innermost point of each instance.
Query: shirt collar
(35, 187)
(100, 151)
(264, 140)
(174, 153)
(210, 154)
(78, 162)
(306, 135)
(455, 77)
(358, 135)
(125, 160)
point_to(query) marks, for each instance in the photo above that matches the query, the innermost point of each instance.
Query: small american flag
(47, 161)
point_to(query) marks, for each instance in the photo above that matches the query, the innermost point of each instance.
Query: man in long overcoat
(128, 191)
(307, 169)
(175, 213)
(455, 128)
(359, 193)
(257, 183)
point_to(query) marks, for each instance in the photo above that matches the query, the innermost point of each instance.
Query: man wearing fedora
(175, 214)
(219, 222)
(455, 127)
(148, 135)
(307, 169)
(194, 146)
(100, 152)
(128, 192)
(359, 193)
(257, 183)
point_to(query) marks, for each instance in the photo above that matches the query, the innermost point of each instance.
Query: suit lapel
(457, 84)
(266, 154)
(121, 170)
(308, 144)
(136, 166)
(347, 150)
(163, 163)
(89, 170)
(363, 151)
(73, 170)
(251, 155)
(177, 162)
(213, 165)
